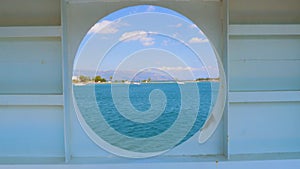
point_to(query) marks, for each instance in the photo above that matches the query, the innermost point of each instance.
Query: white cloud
(201, 33)
(212, 71)
(178, 68)
(141, 36)
(150, 8)
(107, 27)
(176, 26)
(134, 35)
(194, 26)
(175, 35)
(197, 40)
(165, 43)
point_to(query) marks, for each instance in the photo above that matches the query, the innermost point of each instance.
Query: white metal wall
(31, 105)
(38, 124)
(264, 84)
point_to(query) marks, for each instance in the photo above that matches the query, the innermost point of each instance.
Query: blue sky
(141, 37)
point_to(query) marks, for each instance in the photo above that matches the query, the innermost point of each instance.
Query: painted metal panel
(256, 63)
(30, 31)
(29, 13)
(268, 96)
(289, 29)
(264, 63)
(31, 131)
(264, 11)
(31, 100)
(264, 127)
(178, 163)
(30, 66)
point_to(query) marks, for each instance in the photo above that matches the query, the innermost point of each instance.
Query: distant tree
(110, 78)
(202, 79)
(75, 81)
(207, 79)
(149, 79)
(84, 78)
(99, 79)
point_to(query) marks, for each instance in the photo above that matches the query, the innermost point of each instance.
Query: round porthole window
(145, 80)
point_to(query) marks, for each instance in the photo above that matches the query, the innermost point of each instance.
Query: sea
(120, 113)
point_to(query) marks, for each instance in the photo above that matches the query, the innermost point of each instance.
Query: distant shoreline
(152, 82)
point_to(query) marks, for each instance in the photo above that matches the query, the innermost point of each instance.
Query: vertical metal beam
(225, 18)
(66, 81)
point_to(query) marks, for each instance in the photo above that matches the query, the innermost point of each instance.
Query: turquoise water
(97, 104)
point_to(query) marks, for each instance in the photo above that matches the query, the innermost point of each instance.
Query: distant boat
(79, 84)
(180, 82)
(136, 83)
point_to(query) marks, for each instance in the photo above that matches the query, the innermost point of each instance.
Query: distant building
(75, 78)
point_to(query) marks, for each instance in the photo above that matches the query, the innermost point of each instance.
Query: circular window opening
(145, 80)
